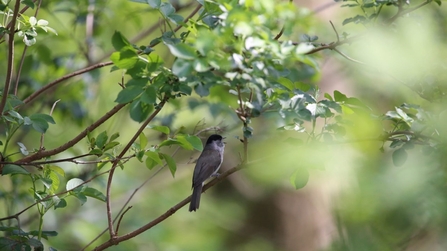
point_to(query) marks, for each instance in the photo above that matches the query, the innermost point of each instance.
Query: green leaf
(126, 58)
(155, 62)
(139, 111)
(55, 182)
(101, 139)
(28, 3)
(97, 152)
(128, 94)
(61, 204)
(150, 163)
(154, 3)
(182, 51)
(149, 96)
(299, 178)
(169, 142)
(73, 183)
(171, 163)
(162, 129)
(175, 18)
(16, 115)
(81, 197)
(119, 41)
(154, 156)
(13, 169)
(93, 193)
(110, 145)
(202, 90)
(184, 142)
(399, 157)
(182, 68)
(167, 9)
(57, 170)
(195, 142)
(114, 136)
(45, 234)
(143, 140)
(22, 148)
(39, 123)
(339, 97)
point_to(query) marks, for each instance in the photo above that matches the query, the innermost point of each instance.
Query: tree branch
(8, 78)
(167, 214)
(115, 164)
(43, 154)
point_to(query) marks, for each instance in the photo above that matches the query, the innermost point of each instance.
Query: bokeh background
(355, 198)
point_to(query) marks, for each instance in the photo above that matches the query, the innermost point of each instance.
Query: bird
(206, 167)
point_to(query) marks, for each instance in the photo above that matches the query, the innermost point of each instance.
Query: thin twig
(59, 80)
(145, 182)
(8, 78)
(335, 30)
(115, 164)
(401, 11)
(167, 214)
(282, 29)
(121, 217)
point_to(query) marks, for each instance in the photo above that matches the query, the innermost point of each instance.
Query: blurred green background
(356, 198)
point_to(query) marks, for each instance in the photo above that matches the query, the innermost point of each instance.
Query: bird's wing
(207, 163)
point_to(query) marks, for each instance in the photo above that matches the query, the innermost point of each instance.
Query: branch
(57, 81)
(8, 78)
(167, 214)
(401, 11)
(43, 154)
(121, 211)
(282, 29)
(115, 164)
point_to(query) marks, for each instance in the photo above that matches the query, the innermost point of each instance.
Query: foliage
(247, 56)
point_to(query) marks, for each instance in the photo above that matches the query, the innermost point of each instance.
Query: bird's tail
(195, 198)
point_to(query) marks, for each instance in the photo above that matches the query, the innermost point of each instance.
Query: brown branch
(115, 164)
(8, 78)
(401, 11)
(143, 184)
(282, 29)
(121, 217)
(43, 154)
(167, 214)
(57, 81)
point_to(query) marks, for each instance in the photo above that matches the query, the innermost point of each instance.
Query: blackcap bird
(207, 166)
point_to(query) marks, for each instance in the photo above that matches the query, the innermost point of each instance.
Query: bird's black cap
(214, 137)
